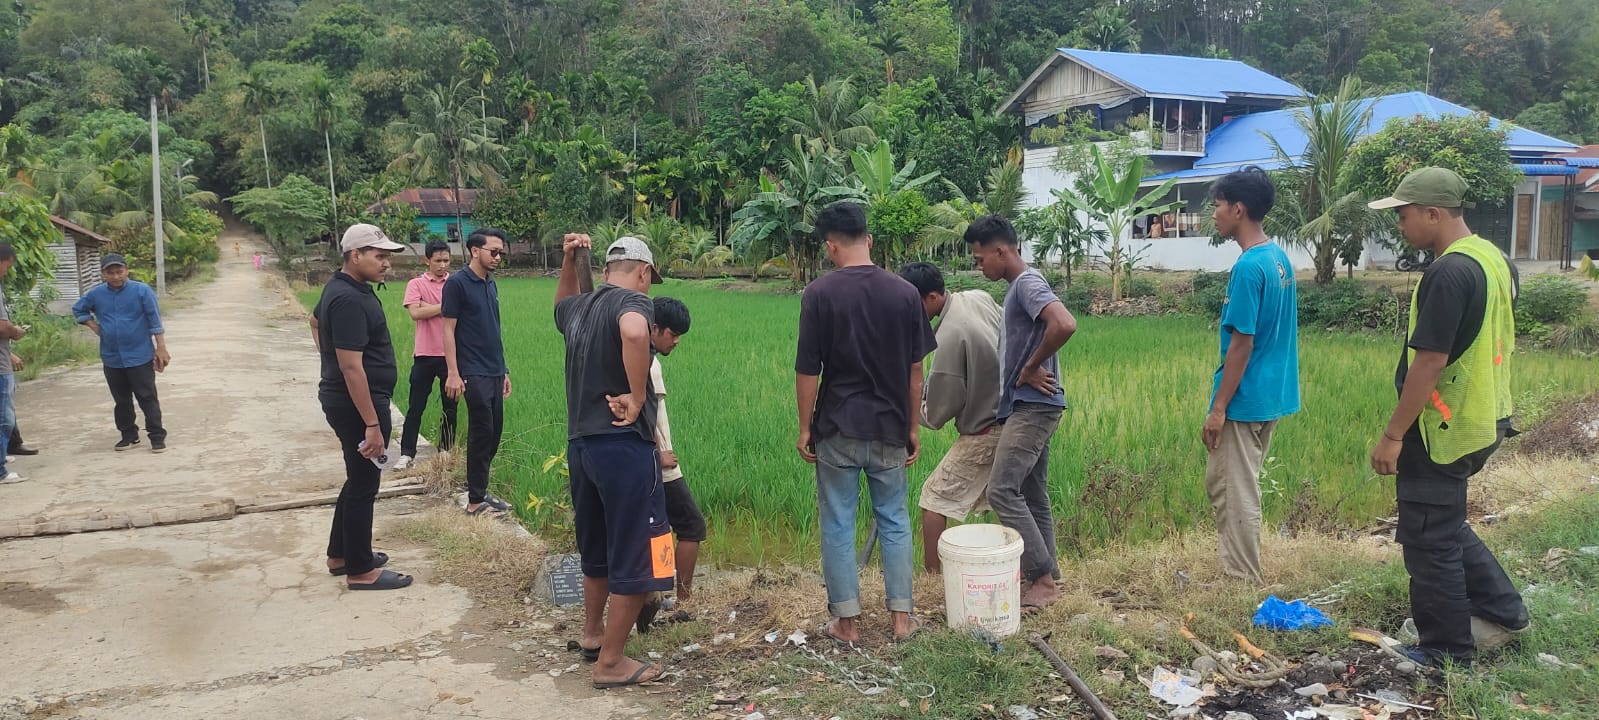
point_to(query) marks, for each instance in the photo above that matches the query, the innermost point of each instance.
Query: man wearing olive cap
(133, 348)
(1454, 410)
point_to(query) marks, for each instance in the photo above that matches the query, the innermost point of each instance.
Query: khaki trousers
(1232, 478)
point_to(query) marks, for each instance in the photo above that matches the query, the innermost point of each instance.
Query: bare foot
(906, 626)
(843, 630)
(623, 671)
(365, 578)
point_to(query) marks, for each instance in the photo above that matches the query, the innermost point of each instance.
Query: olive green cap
(1430, 186)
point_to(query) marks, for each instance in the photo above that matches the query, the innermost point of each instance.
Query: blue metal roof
(1582, 162)
(1532, 169)
(1187, 77)
(1242, 140)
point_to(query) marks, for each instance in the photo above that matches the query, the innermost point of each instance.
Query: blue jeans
(839, 464)
(8, 416)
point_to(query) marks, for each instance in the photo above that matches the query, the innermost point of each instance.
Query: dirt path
(233, 618)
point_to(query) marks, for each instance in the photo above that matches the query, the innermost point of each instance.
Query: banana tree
(1111, 199)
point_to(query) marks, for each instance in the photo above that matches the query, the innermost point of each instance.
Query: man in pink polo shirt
(424, 297)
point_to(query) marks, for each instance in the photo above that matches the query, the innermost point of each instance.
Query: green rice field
(1126, 465)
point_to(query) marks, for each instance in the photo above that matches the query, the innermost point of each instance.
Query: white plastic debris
(1174, 689)
(1311, 690)
(797, 637)
(1341, 712)
(693, 648)
(1021, 712)
(772, 636)
(1554, 663)
(722, 638)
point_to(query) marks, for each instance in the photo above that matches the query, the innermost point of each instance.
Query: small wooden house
(77, 267)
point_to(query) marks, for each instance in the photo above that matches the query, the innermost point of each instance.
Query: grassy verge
(53, 341)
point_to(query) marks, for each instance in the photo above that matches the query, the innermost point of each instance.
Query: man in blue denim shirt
(123, 312)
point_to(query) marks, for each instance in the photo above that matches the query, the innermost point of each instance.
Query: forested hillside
(575, 113)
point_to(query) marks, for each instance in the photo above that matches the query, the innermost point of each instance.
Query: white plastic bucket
(982, 577)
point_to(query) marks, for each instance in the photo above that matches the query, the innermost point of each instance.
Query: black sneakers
(125, 443)
(23, 450)
(158, 446)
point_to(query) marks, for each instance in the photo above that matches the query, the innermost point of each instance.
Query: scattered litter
(1021, 712)
(1114, 677)
(1191, 711)
(1311, 691)
(654, 655)
(1299, 715)
(724, 637)
(878, 690)
(767, 691)
(555, 673)
(693, 648)
(1238, 716)
(1554, 663)
(1205, 665)
(1274, 614)
(755, 716)
(1394, 701)
(1342, 712)
(1106, 651)
(1173, 688)
(797, 638)
(772, 636)
(1592, 550)
(1407, 632)
(732, 616)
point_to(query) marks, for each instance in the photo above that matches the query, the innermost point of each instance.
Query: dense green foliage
(25, 224)
(578, 113)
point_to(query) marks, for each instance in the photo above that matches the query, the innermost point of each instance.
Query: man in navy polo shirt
(475, 356)
(124, 313)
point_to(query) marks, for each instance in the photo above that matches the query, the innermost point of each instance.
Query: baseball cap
(628, 247)
(361, 236)
(1431, 186)
(112, 260)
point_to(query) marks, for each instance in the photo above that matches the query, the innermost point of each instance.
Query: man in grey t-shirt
(1031, 401)
(8, 381)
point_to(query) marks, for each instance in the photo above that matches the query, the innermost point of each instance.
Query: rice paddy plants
(1127, 464)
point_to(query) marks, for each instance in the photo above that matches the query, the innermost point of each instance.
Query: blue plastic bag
(1275, 614)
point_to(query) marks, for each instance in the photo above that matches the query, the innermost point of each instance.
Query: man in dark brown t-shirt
(862, 338)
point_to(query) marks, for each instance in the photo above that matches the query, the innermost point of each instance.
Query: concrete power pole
(155, 176)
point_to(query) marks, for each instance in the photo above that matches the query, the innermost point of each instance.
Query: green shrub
(1349, 304)
(186, 252)
(1055, 278)
(1139, 287)
(958, 281)
(1210, 293)
(1548, 300)
(1078, 298)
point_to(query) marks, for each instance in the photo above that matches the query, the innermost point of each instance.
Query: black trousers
(128, 385)
(1453, 576)
(485, 422)
(425, 369)
(16, 436)
(351, 536)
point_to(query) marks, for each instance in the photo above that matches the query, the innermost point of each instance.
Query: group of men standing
(862, 397)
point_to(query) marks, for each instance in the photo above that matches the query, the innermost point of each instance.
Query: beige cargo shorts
(959, 485)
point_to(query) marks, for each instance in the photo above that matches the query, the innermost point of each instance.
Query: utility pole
(155, 177)
(1428, 87)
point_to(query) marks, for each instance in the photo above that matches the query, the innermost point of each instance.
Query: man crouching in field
(1258, 380)
(963, 385)
(618, 502)
(862, 337)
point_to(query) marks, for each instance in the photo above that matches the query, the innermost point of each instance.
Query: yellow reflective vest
(1473, 393)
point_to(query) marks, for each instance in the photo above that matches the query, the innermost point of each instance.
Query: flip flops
(387, 580)
(827, 631)
(378, 560)
(492, 506)
(634, 680)
(918, 624)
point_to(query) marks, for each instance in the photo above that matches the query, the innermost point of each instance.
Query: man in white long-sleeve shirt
(963, 386)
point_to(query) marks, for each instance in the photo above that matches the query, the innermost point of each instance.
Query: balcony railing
(1183, 141)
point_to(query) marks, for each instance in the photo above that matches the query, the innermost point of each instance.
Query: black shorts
(619, 508)
(683, 513)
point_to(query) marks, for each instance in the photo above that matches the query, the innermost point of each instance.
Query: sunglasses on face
(493, 253)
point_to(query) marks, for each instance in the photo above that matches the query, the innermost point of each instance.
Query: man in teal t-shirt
(1258, 380)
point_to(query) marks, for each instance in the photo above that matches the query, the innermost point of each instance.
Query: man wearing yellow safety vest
(1454, 411)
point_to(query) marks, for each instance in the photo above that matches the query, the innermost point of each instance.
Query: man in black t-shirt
(358, 375)
(858, 367)
(618, 501)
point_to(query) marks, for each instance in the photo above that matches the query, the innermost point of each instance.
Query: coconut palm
(479, 59)
(835, 114)
(321, 95)
(1329, 212)
(1110, 30)
(201, 30)
(260, 97)
(442, 141)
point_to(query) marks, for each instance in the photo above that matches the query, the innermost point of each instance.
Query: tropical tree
(1110, 30)
(890, 43)
(524, 99)
(877, 177)
(1058, 230)
(322, 97)
(442, 141)
(289, 214)
(781, 216)
(834, 114)
(1002, 194)
(1329, 204)
(767, 226)
(479, 59)
(260, 98)
(25, 224)
(201, 29)
(1112, 199)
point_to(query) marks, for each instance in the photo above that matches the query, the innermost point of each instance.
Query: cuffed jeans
(128, 385)
(351, 535)
(8, 417)
(840, 461)
(425, 369)
(485, 422)
(1453, 576)
(1019, 489)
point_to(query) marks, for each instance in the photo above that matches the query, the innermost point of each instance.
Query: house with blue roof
(1209, 117)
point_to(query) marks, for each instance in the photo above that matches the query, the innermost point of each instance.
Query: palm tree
(890, 43)
(479, 58)
(522, 96)
(441, 140)
(1003, 194)
(200, 30)
(835, 114)
(634, 97)
(1330, 210)
(321, 94)
(1110, 30)
(1114, 201)
(260, 97)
